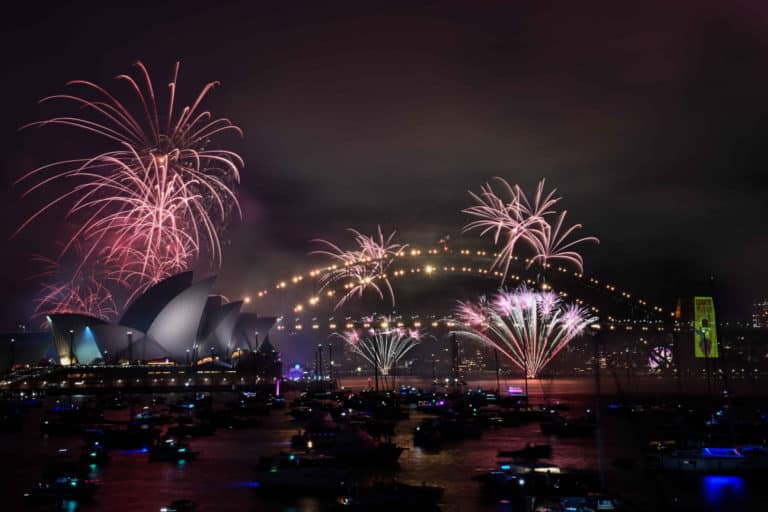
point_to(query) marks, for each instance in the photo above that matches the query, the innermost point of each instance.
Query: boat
(380, 455)
(152, 418)
(62, 488)
(253, 404)
(588, 503)
(95, 453)
(745, 459)
(520, 414)
(320, 431)
(300, 412)
(352, 444)
(171, 450)
(301, 473)
(560, 426)
(537, 451)
(59, 426)
(427, 436)
(491, 417)
(115, 402)
(188, 427)
(432, 432)
(357, 447)
(235, 418)
(517, 480)
(63, 463)
(128, 436)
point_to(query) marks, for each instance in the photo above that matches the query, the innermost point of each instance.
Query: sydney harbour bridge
(428, 281)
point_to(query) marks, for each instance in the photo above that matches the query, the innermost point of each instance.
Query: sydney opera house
(176, 321)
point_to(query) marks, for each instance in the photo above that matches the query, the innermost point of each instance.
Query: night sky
(649, 119)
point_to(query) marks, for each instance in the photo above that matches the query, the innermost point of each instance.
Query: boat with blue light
(714, 460)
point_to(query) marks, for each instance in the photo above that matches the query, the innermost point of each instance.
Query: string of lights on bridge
(416, 323)
(431, 268)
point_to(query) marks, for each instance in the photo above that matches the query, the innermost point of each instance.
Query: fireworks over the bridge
(361, 268)
(382, 348)
(158, 198)
(519, 220)
(528, 327)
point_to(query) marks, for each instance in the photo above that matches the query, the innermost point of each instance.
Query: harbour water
(222, 478)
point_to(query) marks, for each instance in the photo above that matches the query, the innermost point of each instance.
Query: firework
(660, 358)
(526, 326)
(152, 223)
(81, 293)
(551, 242)
(382, 348)
(362, 268)
(520, 220)
(158, 198)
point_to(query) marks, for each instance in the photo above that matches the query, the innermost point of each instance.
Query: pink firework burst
(383, 348)
(160, 196)
(516, 220)
(473, 314)
(529, 328)
(78, 292)
(362, 268)
(554, 242)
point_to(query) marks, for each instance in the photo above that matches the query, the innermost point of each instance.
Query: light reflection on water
(221, 479)
(721, 490)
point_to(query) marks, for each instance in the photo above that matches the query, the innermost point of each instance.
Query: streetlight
(320, 361)
(13, 352)
(71, 347)
(129, 335)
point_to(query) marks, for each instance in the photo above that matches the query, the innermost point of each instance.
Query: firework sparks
(551, 242)
(363, 268)
(157, 199)
(382, 348)
(153, 221)
(660, 358)
(473, 314)
(519, 219)
(529, 328)
(80, 293)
